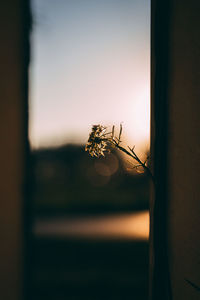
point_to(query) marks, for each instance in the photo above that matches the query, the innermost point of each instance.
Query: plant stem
(134, 156)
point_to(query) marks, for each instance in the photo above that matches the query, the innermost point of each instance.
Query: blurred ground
(80, 260)
(90, 233)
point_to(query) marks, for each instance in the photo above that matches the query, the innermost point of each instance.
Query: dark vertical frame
(28, 178)
(14, 151)
(159, 270)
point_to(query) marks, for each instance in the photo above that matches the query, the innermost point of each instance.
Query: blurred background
(90, 65)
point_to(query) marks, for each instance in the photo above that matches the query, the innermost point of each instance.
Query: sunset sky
(90, 65)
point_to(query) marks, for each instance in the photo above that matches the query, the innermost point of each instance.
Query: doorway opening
(90, 65)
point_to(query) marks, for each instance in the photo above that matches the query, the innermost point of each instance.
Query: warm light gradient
(134, 226)
(90, 64)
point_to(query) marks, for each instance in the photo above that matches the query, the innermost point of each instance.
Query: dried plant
(102, 141)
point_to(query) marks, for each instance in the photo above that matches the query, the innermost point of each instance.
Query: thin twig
(134, 156)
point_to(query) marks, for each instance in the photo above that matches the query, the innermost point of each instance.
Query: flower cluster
(97, 143)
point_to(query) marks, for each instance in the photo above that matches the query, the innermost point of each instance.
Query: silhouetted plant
(102, 141)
